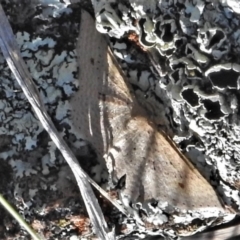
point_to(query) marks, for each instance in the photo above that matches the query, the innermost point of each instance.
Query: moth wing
(154, 168)
(98, 79)
(92, 65)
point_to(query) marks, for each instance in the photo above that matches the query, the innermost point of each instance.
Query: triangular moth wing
(154, 168)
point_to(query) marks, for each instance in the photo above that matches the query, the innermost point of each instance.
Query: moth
(124, 136)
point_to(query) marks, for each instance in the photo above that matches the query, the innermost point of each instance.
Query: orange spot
(133, 37)
(81, 223)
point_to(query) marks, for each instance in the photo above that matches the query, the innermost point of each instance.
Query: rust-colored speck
(181, 185)
(133, 37)
(82, 224)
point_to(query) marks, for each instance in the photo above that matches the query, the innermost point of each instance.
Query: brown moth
(122, 133)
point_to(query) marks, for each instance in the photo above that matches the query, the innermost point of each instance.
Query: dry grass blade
(12, 55)
(19, 218)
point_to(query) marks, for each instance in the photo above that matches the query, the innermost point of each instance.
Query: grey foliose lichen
(41, 186)
(196, 47)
